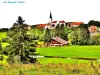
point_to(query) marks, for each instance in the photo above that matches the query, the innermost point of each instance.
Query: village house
(74, 24)
(27, 27)
(52, 24)
(93, 29)
(41, 25)
(57, 41)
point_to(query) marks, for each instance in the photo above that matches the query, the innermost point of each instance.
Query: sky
(38, 11)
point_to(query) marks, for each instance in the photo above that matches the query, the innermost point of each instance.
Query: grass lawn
(71, 51)
(3, 35)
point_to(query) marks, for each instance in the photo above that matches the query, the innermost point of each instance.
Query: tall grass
(50, 69)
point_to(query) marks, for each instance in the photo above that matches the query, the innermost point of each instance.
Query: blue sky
(37, 11)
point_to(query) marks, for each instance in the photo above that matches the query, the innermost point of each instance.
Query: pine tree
(47, 36)
(20, 20)
(20, 45)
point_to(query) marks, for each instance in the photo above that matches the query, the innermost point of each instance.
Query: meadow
(71, 51)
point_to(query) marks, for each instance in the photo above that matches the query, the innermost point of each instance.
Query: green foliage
(3, 60)
(94, 40)
(40, 43)
(60, 31)
(92, 22)
(47, 35)
(73, 37)
(20, 45)
(0, 48)
(3, 35)
(80, 35)
(84, 35)
(35, 32)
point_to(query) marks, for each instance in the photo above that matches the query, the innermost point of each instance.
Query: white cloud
(37, 11)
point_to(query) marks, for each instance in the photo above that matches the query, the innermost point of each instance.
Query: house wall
(93, 29)
(54, 42)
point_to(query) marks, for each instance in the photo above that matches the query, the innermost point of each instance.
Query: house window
(53, 25)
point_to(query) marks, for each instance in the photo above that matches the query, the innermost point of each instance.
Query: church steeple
(51, 19)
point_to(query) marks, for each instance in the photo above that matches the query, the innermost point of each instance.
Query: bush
(3, 60)
(5, 39)
(94, 42)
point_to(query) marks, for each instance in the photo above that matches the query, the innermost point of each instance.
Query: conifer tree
(20, 45)
(47, 36)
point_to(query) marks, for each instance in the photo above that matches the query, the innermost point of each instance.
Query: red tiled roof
(62, 21)
(54, 21)
(76, 23)
(41, 25)
(60, 40)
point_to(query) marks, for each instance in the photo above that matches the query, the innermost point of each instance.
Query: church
(52, 24)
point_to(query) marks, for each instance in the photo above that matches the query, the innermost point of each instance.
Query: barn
(57, 41)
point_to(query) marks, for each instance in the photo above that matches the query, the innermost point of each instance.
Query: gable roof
(62, 21)
(54, 22)
(60, 40)
(41, 25)
(76, 23)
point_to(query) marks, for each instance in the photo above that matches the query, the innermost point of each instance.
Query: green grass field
(71, 51)
(45, 61)
(3, 35)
